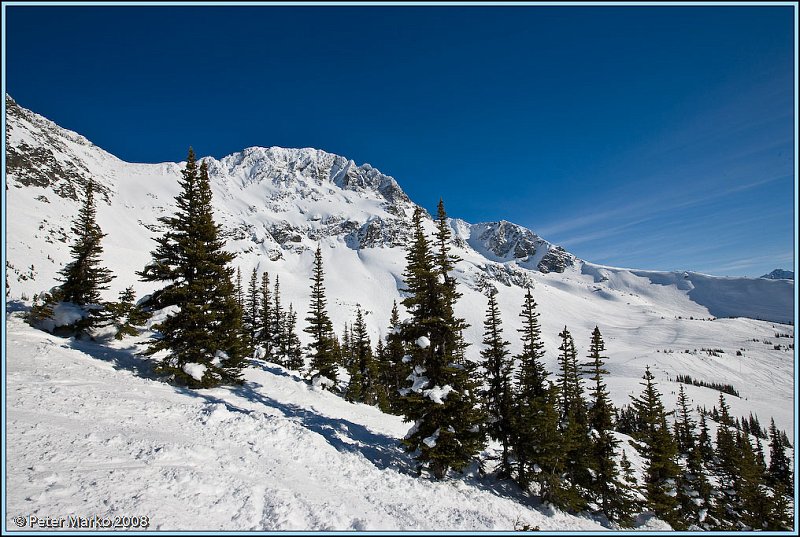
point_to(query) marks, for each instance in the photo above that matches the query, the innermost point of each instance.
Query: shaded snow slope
(88, 435)
(756, 298)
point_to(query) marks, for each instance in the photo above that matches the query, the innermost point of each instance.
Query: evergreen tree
(725, 467)
(397, 370)
(41, 312)
(659, 451)
(384, 381)
(363, 372)
(278, 330)
(574, 427)
(627, 501)
(694, 490)
(294, 356)
(531, 394)
(498, 396)
(704, 441)
(321, 349)
(239, 289)
(604, 484)
(83, 278)
(780, 467)
(251, 310)
(684, 425)
(126, 315)
(780, 514)
(547, 460)
(347, 349)
(569, 380)
(203, 336)
(753, 509)
(442, 396)
(460, 352)
(265, 335)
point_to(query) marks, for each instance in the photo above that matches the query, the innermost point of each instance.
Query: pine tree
(547, 459)
(294, 356)
(83, 278)
(725, 467)
(704, 441)
(660, 452)
(569, 381)
(754, 507)
(780, 515)
(397, 370)
(363, 377)
(384, 381)
(278, 330)
(441, 396)
(203, 336)
(42, 310)
(627, 501)
(498, 396)
(684, 424)
(574, 427)
(251, 310)
(239, 289)
(604, 483)
(531, 395)
(126, 315)
(780, 467)
(694, 490)
(321, 348)
(346, 359)
(265, 334)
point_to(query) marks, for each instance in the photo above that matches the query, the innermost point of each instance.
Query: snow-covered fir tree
(265, 332)
(321, 349)
(574, 427)
(498, 393)
(605, 485)
(660, 452)
(126, 315)
(441, 396)
(83, 278)
(252, 305)
(202, 337)
(530, 400)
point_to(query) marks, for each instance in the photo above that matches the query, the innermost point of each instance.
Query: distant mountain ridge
(779, 274)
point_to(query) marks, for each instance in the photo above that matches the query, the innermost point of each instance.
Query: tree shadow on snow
(119, 358)
(13, 306)
(385, 452)
(344, 435)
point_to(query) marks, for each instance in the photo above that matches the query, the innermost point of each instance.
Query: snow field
(87, 435)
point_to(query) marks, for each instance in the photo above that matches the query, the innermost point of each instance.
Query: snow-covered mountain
(779, 274)
(277, 204)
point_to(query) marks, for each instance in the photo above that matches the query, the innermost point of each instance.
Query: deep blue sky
(648, 137)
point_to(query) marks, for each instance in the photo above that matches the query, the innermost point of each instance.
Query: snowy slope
(276, 205)
(272, 455)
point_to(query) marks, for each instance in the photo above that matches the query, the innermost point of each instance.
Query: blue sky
(651, 137)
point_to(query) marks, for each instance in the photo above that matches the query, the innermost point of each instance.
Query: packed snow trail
(89, 434)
